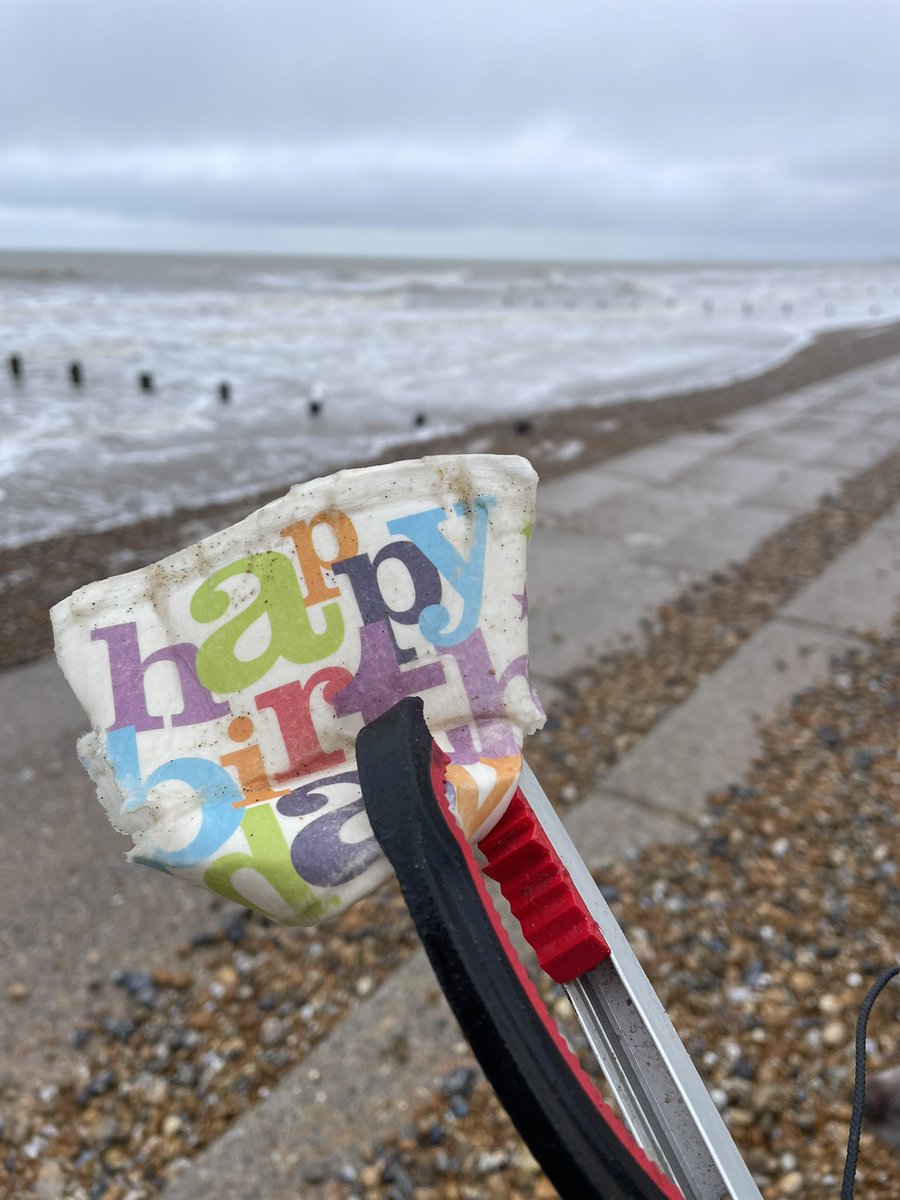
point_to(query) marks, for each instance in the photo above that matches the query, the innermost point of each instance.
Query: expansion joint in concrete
(644, 803)
(812, 626)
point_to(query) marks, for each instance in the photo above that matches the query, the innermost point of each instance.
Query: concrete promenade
(643, 525)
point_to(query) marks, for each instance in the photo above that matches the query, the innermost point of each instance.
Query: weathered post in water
(145, 381)
(15, 366)
(75, 375)
(224, 392)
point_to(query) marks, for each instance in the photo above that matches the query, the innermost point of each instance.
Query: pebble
(802, 981)
(165, 977)
(17, 992)
(490, 1161)
(719, 1098)
(830, 1005)
(227, 980)
(834, 1034)
(460, 1082)
(171, 1125)
(791, 1184)
(273, 1031)
(50, 1183)
(370, 1177)
(132, 981)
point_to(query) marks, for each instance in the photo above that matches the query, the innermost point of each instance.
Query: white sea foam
(378, 344)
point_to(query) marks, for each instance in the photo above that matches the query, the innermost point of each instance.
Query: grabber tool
(673, 1142)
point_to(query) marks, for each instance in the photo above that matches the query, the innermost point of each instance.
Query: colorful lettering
(291, 704)
(486, 692)
(278, 601)
(363, 575)
(215, 789)
(311, 562)
(127, 671)
(380, 683)
(465, 575)
(248, 762)
(266, 855)
(319, 851)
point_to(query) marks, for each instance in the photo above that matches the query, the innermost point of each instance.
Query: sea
(384, 351)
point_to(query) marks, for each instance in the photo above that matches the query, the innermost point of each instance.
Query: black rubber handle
(581, 1145)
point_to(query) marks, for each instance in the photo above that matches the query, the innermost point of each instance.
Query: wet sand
(34, 577)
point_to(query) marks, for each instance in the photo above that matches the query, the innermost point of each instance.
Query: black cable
(859, 1085)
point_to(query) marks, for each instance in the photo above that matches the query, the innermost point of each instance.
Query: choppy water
(376, 343)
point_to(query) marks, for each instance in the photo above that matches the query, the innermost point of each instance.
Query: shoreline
(36, 576)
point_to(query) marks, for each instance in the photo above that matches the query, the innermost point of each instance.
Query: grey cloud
(753, 119)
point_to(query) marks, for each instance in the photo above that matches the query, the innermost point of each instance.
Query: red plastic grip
(544, 900)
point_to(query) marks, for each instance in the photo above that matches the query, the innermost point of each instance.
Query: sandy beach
(35, 577)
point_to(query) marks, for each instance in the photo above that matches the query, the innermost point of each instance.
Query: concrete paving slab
(803, 401)
(654, 514)
(886, 426)
(871, 401)
(862, 588)
(734, 474)
(727, 535)
(33, 699)
(834, 425)
(773, 414)
(761, 418)
(58, 818)
(855, 454)
(565, 562)
(577, 493)
(607, 828)
(790, 447)
(662, 462)
(362, 1082)
(802, 488)
(711, 739)
(63, 939)
(574, 629)
(887, 375)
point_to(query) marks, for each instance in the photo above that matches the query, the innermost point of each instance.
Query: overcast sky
(623, 128)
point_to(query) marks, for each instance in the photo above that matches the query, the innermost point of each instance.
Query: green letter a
(270, 856)
(279, 598)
